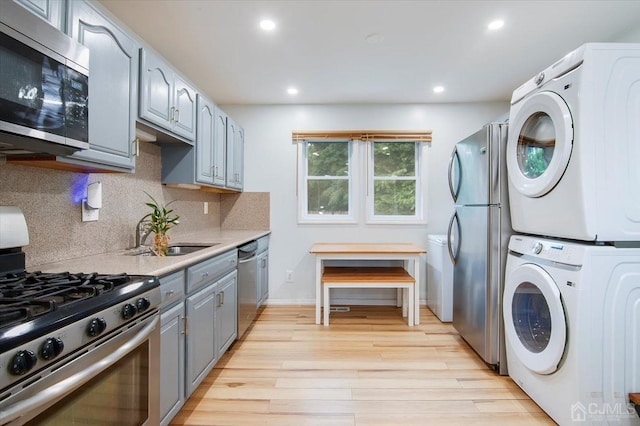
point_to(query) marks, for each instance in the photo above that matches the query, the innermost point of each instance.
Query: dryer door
(539, 144)
(534, 319)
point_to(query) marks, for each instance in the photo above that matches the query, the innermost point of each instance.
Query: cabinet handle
(176, 116)
(136, 147)
(205, 275)
(186, 326)
(223, 297)
(172, 114)
(170, 293)
(218, 300)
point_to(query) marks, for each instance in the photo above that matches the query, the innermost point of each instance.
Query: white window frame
(303, 199)
(420, 208)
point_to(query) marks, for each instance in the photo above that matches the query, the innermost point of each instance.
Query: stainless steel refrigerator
(478, 238)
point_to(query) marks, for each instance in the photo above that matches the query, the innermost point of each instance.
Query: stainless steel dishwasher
(247, 286)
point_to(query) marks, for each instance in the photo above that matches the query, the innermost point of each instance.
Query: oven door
(113, 382)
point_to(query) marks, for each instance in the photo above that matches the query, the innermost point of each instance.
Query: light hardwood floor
(367, 368)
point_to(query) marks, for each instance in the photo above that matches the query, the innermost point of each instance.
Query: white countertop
(118, 261)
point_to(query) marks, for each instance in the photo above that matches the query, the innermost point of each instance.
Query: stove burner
(24, 296)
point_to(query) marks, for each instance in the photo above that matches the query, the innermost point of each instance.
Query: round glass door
(534, 318)
(539, 144)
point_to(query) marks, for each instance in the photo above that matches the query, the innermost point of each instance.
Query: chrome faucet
(142, 230)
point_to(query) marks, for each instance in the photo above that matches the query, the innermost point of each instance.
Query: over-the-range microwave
(44, 87)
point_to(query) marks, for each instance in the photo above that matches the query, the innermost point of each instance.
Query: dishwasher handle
(247, 252)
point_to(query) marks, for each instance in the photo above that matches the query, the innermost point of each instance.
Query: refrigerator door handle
(453, 256)
(454, 191)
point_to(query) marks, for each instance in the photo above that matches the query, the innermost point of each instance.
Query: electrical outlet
(289, 276)
(206, 207)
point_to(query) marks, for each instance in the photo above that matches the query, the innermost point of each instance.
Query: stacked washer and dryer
(572, 283)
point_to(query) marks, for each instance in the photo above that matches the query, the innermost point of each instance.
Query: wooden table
(408, 253)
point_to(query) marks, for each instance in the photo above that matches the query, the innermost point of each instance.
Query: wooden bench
(635, 400)
(370, 277)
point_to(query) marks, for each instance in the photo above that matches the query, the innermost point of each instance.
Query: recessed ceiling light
(438, 89)
(292, 91)
(267, 25)
(496, 25)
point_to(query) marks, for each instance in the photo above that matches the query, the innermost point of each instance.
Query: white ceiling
(321, 47)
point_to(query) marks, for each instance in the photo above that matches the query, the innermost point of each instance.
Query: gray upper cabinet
(206, 164)
(210, 143)
(220, 148)
(235, 155)
(205, 141)
(166, 100)
(52, 11)
(113, 89)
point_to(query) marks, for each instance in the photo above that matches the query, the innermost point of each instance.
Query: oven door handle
(62, 388)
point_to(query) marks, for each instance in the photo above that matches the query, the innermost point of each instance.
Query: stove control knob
(128, 311)
(96, 327)
(51, 348)
(143, 304)
(23, 361)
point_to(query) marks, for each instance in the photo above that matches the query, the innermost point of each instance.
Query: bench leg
(405, 301)
(411, 318)
(399, 298)
(327, 305)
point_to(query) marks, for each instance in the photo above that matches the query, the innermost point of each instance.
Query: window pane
(328, 196)
(395, 197)
(394, 158)
(328, 158)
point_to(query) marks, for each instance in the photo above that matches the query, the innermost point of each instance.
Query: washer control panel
(555, 251)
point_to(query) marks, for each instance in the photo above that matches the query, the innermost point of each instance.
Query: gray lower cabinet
(172, 350)
(113, 89)
(262, 274)
(263, 277)
(51, 11)
(172, 346)
(210, 308)
(226, 317)
(201, 344)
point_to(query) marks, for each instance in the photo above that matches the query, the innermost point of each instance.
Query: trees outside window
(394, 182)
(327, 181)
(330, 186)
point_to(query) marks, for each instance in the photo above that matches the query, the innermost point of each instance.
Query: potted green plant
(161, 220)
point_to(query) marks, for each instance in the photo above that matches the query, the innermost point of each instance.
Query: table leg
(410, 318)
(318, 288)
(416, 289)
(327, 305)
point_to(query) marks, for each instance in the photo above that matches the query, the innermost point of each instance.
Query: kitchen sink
(174, 249)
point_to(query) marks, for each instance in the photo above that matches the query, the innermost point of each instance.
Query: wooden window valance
(364, 135)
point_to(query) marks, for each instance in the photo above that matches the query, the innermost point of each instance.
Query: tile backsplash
(50, 200)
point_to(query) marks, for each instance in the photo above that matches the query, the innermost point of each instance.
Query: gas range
(46, 318)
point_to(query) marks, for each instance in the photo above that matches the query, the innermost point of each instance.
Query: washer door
(539, 144)
(534, 318)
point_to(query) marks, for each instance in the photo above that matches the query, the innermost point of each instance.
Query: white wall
(270, 166)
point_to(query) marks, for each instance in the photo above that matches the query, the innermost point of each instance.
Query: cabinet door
(201, 348)
(184, 119)
(263, 277)
(235, 140)
(226, 312)
(113, 87)
(205, 141)
(156, 91)
(220, 148)
(52, 11)
(171, 362)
